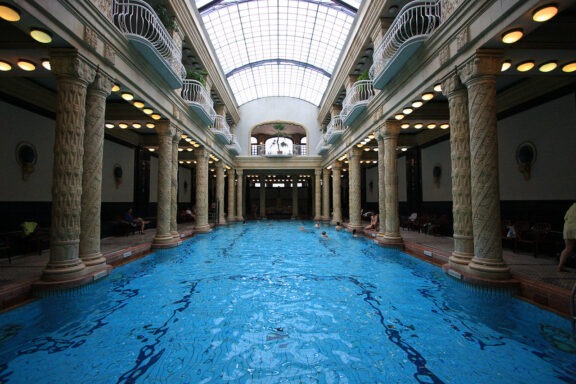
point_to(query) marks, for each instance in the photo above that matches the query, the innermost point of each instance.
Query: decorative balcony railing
(356, 101)
(410, 28)
(197, 97)
(234, 147)
(221, 129)
(334, 130)
(138, 21)
(322, 147)
(288, 151)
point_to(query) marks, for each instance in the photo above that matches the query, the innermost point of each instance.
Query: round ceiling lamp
(548, 67)
(123, 125)
(399, 116)
(46, 64)
(525, 66)
(506, 66)
(427, 96)
(418, 126)
(148, 111)
(9, 13)
(569, 67)
(156, 116)
(26, 65)
(41, 35)
(444, 126)
(127, 96)
(5, 66)
(109, 125)
(139, 104)
(150, 125)
(115, 88)
(512, 36)
(417, 103)
(438, 87)
(545, 13)
(405, 126)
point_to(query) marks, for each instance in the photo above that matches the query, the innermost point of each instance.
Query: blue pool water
(261, 303)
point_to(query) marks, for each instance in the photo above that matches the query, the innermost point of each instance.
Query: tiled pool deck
(538, 278)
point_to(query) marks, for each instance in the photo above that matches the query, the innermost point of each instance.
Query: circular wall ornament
(26, 157)
(525, 157)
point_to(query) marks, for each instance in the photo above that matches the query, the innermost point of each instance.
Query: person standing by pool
(569, 236)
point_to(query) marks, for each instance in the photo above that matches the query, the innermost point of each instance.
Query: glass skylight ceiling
(278, 47)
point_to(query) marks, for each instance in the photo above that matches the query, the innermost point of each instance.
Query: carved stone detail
(105, 6)
(355, 193)
(174, 186)
(462, 38)
(444, 54)
(239, 195)
(448, 7)
(336, 193)
(202, 190)
(326, 195)
(90, 37)
(390, 137)
(220, 189)
(231, 196)
(317, 194)
(381, 185)
(484, 63)
(109, 53)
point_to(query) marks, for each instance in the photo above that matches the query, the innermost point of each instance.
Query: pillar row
(231, 196)
(295, 196)
(220, 189)
(202, 224)
(174, 186)
(239, 195)
(326, 194)
(381, 184)
(317, 195)
(392, 235)
(355, 195)
(336, 193)
(262, 197)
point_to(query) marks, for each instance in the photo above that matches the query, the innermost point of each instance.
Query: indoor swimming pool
(267, 302)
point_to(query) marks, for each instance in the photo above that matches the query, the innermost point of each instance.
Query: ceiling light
(417, 103)
(9, 13)
(150, 125)
(427, 96)
(505, 66)
(189, 149)
(407, 111)
(525, 66)
(127, 96)
(123, 125)
(5, 66)
(196, 145)
(187, 139)
(548, 67)
(438, 87)
(180, 161)
(26, 65)
(360, 145)
(184, 136)
(569, 67)
(398, 116)
(370, 136)
(404, 149)
(41, 35)
(367, 149)
(115, 88)
(180, 149)
(139, 104)
(151, 149)
(431, 126)
(156, 116)
(418, 126)
(512, 36)
(405, 126)
(109, 125)
(137, 125)
(374, 161)
(545, 13)
(375, 149)
(444, 126)
(46, 64)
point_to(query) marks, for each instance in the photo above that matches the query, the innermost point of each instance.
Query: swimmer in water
(324, 235)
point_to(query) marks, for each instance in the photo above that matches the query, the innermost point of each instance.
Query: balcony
(221, 130)
(289, 151)
(140, 24)
(197, 97)
(322, 146)
(356, 101)
(334, 130)
(234, 147)
(414, 23)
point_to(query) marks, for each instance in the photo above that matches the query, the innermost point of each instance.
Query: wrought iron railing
(322, 145)
(335, 128)
(221, 127)
(417, 18)
(194, 92)
(361, 93)
(136, 17)
(289, 150)
(234, 146)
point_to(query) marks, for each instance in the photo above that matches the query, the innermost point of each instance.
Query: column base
(222, 222)
(465, 274)
(239, 218)
(63, 270)
(202, 228)
(175, 235)
(489, 269)
(334, 221)
(390, 239)
(164, 241)
(355, 226)
(460, 258)
(92, 259)
(231, 219)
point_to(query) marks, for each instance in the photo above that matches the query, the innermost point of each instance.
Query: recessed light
(46, 64)
(545, 13)
(360, 145)
(123, 125)
(138, 104)
(418, 126)
(137, 125)
(427, 96)
(569, 67)
(548, 67)
(431, 126)
(9, 13)
(512, 36)
(370, 136)
(367, 149)
(148, 111)
(180, 149)
(444, 126)
(403, 149)
(109, 125)
(26, 65)
(438, 87)
(180, 161)
(127, 96)
(407, 111)
(506, 66)
(405, 126)
(150, 125)
(196, 145)
(398, 116)
(189, 149)
(525, 66)
(115, 88)
(5, 66)
(184, 136)
(155, 116)
(41, 35)
(151, 149)
(417, 103)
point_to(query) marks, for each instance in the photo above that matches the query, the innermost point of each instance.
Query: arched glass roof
(278, 47)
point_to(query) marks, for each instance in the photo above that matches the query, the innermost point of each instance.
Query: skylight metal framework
(278, 47)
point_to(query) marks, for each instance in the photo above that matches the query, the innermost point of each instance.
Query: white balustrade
(222, 129)
(334, 130)
(289, 151)
(234, 147)
(194, 93)
(359, 95)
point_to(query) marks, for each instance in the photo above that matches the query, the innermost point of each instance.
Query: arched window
(279, 145)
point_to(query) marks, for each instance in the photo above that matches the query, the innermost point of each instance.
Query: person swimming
(324, 235)
(338, 226)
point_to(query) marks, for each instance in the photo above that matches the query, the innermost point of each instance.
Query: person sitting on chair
(135, 221)
(373, 222)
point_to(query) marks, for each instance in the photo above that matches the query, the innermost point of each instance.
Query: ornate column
(202, 157)
(220, 167)
(392, 235)
(355, 194)
(326, 194)
(295, 196)
(73, 72)
(479, 76)
(163, 238)
(91, 200)
(317, 194)
(174, 186)
(239, 198)
(460, 156)
(336, 193)
(231, 196)
(381, 184)
(262, 197)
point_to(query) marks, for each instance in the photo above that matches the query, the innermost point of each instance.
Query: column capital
(177, 135)
(390, 129)
(452, 85)
(164, 128)
(354, 153)
(102, 83)
(201, 153)
(239, 172)
(484, 63)
(69, 63)
(337, 165)
(327, 171)
(318, 171)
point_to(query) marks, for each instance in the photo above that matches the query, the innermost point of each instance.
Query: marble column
(294, 196)
(73, 73)
(355, 189)
(92, 170)
(336, 193)
(163, 238)
(381, 184)
(262, 197)
(326, 194)
(392, 235)
(220, 167)
(174, 186)
(202, 157)
(460, 157)
(239, 197)
(479, 76)
(317, 194)
(231, 196)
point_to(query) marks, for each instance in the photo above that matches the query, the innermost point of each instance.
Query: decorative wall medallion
(118, 175)
(525, 157)
(26, 157)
